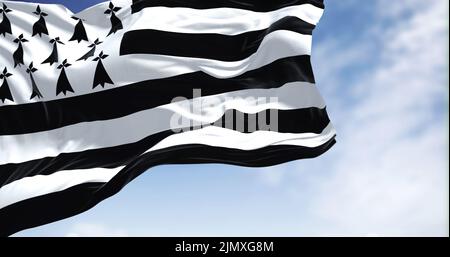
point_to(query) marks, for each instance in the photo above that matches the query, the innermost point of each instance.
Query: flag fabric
(91, 100)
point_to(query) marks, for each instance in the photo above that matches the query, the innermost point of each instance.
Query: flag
(89, 101)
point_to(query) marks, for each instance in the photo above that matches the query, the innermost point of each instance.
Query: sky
(382, 67)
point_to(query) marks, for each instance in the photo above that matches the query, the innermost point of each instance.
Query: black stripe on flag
(77, 199)
(42, 116)
(208, 46)
(251, 5)
(306, 120)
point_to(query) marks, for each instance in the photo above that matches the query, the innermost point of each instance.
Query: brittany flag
(91, 100)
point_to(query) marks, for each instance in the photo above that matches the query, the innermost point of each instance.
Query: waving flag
(89, 101)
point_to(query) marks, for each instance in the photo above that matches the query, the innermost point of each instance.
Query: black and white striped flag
(89, 101)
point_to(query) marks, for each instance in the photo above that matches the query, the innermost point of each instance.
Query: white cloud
(94, 230)
(388, 173)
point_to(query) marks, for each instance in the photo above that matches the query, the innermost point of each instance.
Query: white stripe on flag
(221, 137)
(132, 128)
(186, 20)
(30, 187)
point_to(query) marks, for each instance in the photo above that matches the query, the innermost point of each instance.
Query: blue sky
(382, 68)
